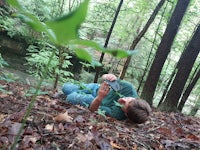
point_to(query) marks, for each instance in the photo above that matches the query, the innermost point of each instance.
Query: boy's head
(137, 110)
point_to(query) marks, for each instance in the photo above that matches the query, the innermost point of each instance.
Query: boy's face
(125, 102)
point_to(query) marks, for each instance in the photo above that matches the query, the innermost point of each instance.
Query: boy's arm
(103, 91)
(95, 104)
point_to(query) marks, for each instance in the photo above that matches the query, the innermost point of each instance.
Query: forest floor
(56, 125)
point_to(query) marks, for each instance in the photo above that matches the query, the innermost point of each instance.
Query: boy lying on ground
(120, 102)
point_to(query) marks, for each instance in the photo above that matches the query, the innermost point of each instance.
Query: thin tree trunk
(62, 6)
(189, 89)
(186, 63)
(61, 61)
(149, 60)
(107, 39)
(163, 50)
(140, 35)
(195, 108)
(167, 86)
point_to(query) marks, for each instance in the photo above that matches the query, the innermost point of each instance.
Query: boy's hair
(138, 111)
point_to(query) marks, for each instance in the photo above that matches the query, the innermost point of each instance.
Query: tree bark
(163, 50)
(189, 90)
(107, 39)
(140, 35)
(167, 86)
(186, 63)
(150, 60)
(195, 108)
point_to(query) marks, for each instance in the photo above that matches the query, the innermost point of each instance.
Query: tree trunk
(150, 60)
(189, 89)
(163, 50)
(107, 39)
(186, 63)
(140, 35)
(195, 108)
(167, 86)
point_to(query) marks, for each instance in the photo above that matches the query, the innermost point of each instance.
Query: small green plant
(102, 113)
(32, 91)
(38, 56)
(2, 62)
(8, 77)
(2, 89)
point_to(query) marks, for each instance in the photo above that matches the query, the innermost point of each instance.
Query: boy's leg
(90, 88)
(82, 94)
(79, 98)
(69, 88)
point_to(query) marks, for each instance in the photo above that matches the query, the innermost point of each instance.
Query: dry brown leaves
(54, 124)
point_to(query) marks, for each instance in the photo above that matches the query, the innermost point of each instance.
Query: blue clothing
(84, 94)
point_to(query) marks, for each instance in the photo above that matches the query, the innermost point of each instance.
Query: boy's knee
(68, 88)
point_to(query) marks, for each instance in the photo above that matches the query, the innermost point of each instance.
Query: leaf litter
(55, 124)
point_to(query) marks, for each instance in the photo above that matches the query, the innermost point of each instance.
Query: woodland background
(164, 68)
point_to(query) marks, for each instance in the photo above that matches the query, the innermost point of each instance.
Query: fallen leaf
(18, 116)
(114, 145)
(28, 131)
(79, 119)
(135, 147)
(165, 131)
(2, 117)
(61, 127)
(80, 137)
(49, 127)
(3, 95)
(89, 136)
(63, 117)
(14, 128)
(13, 131)
(193, 137)
(28, 140)
(104, 144)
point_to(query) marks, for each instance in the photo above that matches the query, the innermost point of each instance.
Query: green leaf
(83, 54)
(66, 27)
(95, 63)
(118, 104)
(120, 53)
(88, 43)
(15, 4)
(32, 21)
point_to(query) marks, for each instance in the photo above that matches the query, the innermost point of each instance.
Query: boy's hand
(110, 77)
(103, 90)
